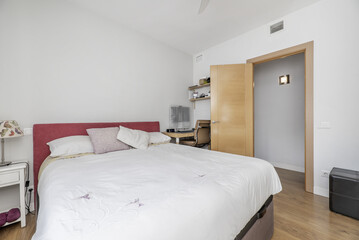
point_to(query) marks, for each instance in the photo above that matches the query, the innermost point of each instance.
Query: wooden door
(232, 108)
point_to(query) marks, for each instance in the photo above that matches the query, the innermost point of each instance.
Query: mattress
(166, 192)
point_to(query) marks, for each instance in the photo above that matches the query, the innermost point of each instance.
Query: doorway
(307, 50)
(279, 112)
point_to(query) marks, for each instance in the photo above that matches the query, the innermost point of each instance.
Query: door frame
(306, 48)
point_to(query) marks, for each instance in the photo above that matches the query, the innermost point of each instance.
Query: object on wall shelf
(194, 94)
(204, 81)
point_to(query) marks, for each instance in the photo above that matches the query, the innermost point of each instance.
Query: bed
(166, 192)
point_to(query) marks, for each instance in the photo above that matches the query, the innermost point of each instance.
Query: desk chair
(201, 134)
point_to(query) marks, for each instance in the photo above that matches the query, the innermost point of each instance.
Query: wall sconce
(284, 79)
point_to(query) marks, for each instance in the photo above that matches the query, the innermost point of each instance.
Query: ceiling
(178, 24)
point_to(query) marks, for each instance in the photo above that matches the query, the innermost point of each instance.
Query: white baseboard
(288, 166)
(321, 191)
(317, 190)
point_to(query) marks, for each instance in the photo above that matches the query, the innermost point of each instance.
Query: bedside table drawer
(6, 178)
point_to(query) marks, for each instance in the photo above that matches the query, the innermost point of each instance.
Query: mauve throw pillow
(105, 140)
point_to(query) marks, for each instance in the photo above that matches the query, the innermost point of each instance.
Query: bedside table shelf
(11, 175)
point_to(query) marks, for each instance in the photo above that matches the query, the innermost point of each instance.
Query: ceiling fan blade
(203, 6)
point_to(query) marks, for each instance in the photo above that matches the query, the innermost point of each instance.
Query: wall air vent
(199, 58)
(276, 27)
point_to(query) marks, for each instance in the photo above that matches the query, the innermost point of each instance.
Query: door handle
(213, 122)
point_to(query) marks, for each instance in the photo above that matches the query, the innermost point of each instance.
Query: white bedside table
(12, 175)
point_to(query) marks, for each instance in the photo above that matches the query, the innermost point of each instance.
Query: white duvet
(167, 192)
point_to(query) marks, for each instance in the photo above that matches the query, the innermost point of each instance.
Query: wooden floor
(302, 215)
(297, 215)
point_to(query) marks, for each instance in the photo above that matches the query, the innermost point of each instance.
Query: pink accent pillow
(105, 140)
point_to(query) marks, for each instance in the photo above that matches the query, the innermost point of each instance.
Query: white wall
(61, 63)
(279, 126)
(333, 25)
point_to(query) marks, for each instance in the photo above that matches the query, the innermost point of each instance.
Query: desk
(179, 135)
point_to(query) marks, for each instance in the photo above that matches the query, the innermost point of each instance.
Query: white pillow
(135, 138)
(157, 138)
(70, 145)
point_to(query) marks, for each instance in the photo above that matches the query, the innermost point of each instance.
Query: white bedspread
(168, 192)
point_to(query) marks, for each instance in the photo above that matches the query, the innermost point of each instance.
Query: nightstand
(12, 175)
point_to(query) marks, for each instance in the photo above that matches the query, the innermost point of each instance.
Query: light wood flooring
(297, 215)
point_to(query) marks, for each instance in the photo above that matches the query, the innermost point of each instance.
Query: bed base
(261, 225)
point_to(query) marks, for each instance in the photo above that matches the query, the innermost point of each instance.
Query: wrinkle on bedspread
(167, 192)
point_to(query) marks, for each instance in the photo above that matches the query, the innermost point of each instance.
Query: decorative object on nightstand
(8, 129)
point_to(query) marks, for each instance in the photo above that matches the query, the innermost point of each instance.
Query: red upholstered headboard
(44, 133)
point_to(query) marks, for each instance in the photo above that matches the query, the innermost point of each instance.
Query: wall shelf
(199, 86)
(198, 99)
